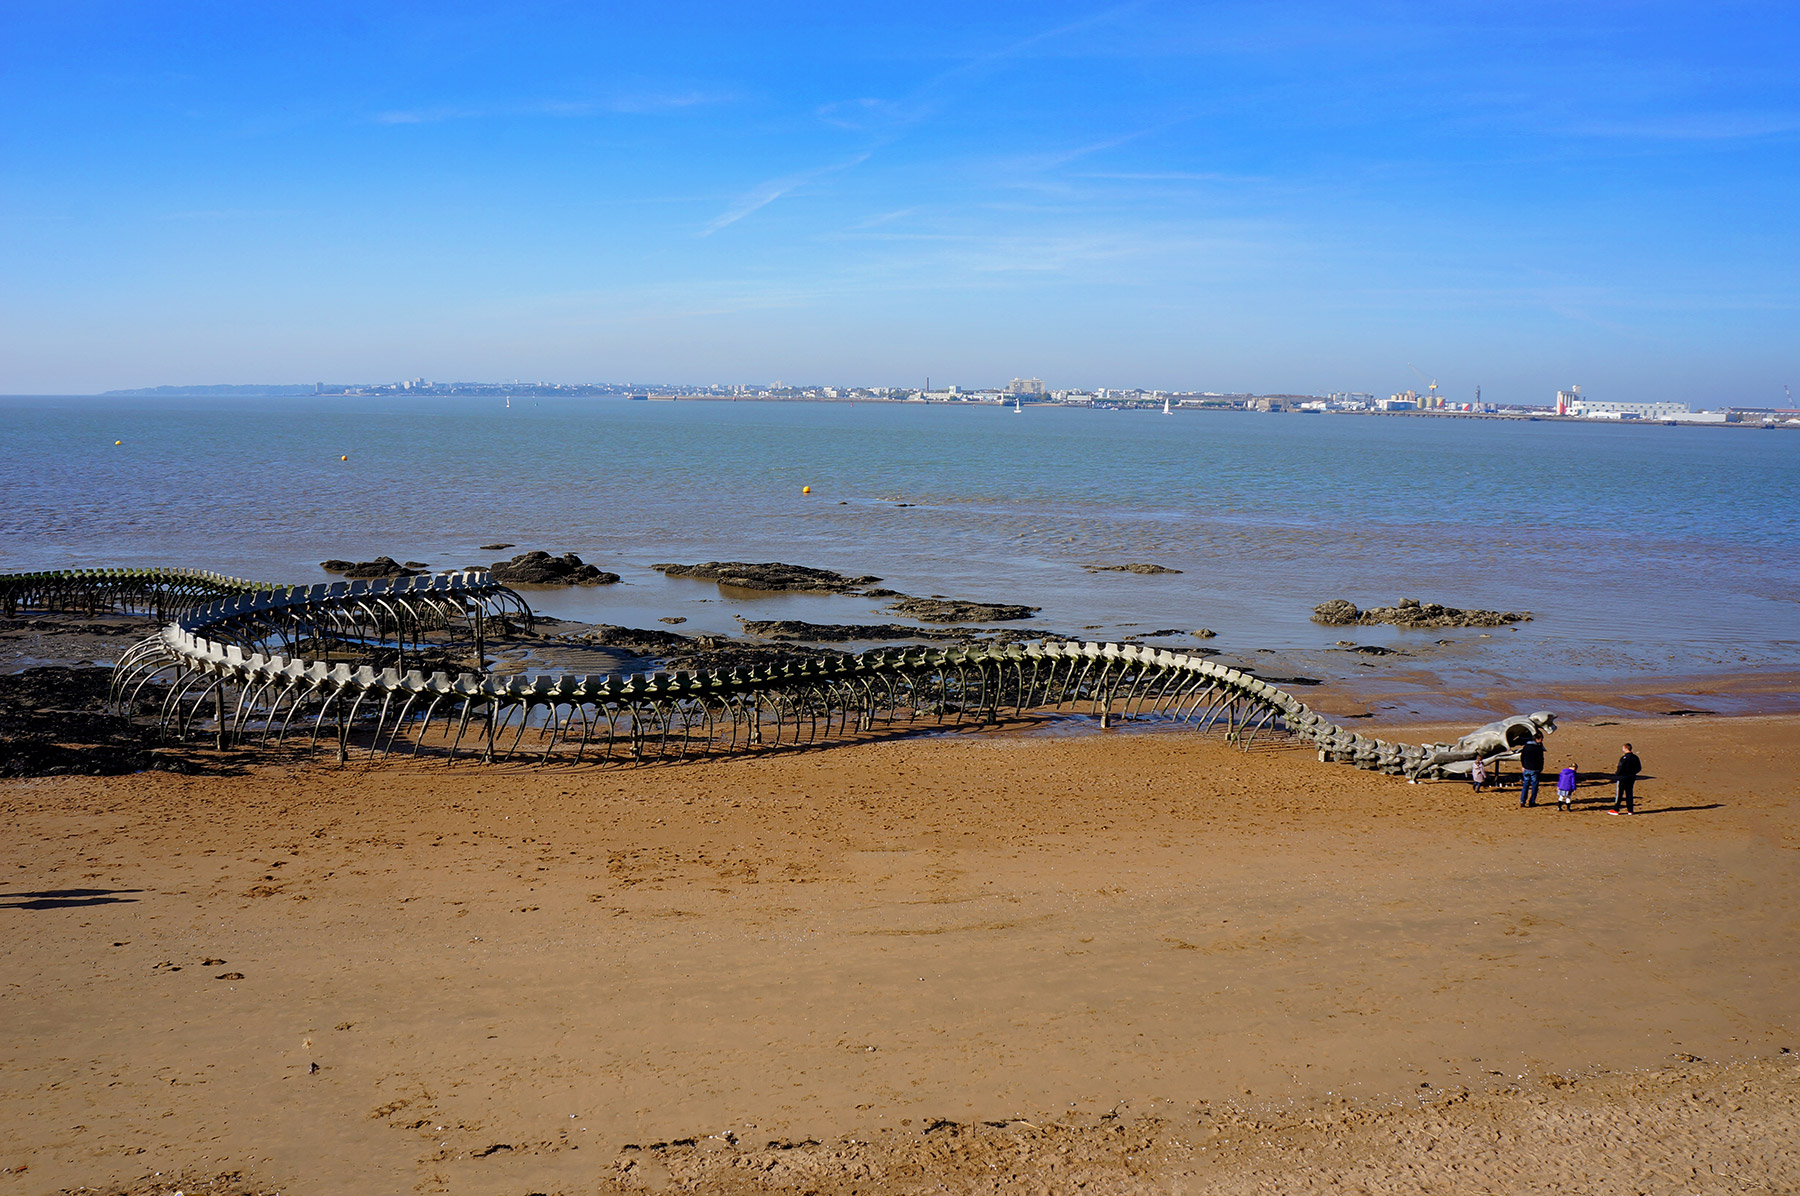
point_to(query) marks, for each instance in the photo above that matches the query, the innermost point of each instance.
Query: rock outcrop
(939, 609)
(1410, 612)
(381, 566)
(842, 633)
(769, 575)
(1134, 567)
(638, 640)
(539, 568)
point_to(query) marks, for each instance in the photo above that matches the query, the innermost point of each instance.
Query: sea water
(1641, 550)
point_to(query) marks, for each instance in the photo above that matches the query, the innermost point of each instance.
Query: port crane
(1431, 383)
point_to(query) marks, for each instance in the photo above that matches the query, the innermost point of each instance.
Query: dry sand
(1122, 963)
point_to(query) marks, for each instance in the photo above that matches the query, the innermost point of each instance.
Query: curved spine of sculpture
(264, 663)
(164, 593)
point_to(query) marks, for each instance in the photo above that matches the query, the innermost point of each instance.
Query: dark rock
(1016, 635)
(1412, 613)
(539, 568)
(696, 653)
(721, 654)
(939, 609)
(839, 633)
(381, 566)
(642, 641)
(75, 625)
(1206, 633)
(55, 721)
(417, 565)
(770, 575)
(496, 547)
(1165, 631)
(882, 594)
(673, 620)
(1135, 567)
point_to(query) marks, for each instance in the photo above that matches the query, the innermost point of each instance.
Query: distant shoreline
(1527, 415)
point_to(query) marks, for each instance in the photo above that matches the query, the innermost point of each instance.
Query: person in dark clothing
(1531, 763)
(1626, 775)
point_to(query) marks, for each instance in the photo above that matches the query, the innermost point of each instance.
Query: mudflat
(980, 962)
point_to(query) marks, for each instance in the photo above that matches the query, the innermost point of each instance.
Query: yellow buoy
(806, 489)
(343, 458)
(118, 442)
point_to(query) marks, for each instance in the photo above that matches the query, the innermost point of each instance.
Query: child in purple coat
(1565, 787)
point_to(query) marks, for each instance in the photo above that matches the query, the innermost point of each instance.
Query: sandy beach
(978, 962)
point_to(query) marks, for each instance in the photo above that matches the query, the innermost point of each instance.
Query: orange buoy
(343, 458)
(806, 489)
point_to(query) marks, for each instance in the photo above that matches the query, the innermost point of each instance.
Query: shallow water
(1642, 550)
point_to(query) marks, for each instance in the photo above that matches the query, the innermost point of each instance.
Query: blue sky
(1269, 197)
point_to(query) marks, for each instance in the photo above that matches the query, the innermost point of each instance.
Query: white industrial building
(1596, 409)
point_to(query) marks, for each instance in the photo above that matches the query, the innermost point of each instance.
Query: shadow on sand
(65, 898)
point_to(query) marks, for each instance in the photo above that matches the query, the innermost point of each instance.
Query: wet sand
(985, 961)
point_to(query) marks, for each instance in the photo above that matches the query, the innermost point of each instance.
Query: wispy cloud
(1701, 126)
(631, 105)
(764, 194)
(877, 115)
(1056, 158)
(1170, 176)
(881, 218)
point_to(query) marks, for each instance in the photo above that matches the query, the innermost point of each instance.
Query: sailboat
(1166, 410)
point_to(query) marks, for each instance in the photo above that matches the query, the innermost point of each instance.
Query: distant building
(1590, 409)
(1025, 386)
(1565, 399)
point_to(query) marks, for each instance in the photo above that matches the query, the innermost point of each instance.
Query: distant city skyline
(1246, 198)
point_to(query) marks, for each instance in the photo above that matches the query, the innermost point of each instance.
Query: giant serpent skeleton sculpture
(348, 663)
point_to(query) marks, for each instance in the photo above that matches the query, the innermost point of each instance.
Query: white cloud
(1699, 126)
(764, 194)
(626, 105)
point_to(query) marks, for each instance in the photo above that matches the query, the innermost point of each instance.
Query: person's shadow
(65, 898)
(1604, 783)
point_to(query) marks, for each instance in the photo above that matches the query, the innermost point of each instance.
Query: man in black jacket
(1626, 775)
(1531, 763)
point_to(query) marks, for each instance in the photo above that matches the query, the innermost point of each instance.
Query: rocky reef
(769, 575)
(840, 633)
(1134, 567)
(1410, 612)
(57, 721)
(939, 609)
(539, 568)
(381, 566)
(674, 651)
